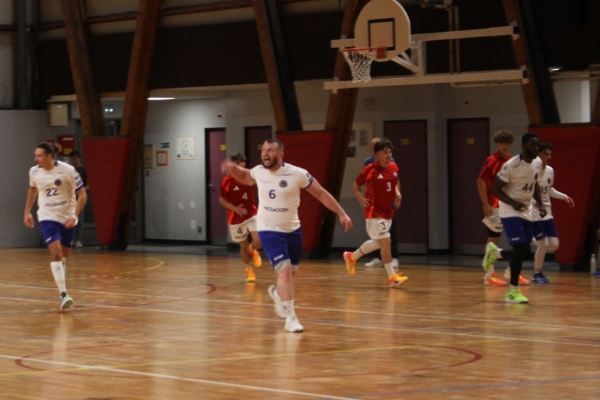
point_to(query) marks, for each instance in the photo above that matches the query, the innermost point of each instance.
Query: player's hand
(570, 202)
(70, 222)
(346, 221)
(487, 210)
(226, 166)
(241, 211)
(28, 221)
(364, 203)
(397, 201)
(518, 206)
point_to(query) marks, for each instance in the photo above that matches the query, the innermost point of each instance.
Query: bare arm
(398, 198)
(27, 217)
(328, 201)
(81, 200)
(240, 174)
(482, 190)
(241, 211)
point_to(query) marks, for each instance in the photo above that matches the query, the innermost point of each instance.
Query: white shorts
(378, 228)
(240, 232)
(493, 221)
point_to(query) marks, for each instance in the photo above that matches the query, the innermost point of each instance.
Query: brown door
(255, 137)
(216, 214)
(410, 152)
(468, 146)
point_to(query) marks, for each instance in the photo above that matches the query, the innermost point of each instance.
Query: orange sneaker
(256, 260)
(250, 275)
(493, 281)
(350, 262)
(397, 280)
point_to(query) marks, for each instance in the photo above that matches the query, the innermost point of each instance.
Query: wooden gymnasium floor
(160, 325)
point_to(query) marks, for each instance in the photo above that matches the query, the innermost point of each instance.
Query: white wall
(175, 195)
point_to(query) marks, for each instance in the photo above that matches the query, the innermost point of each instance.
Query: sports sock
(288, 305)
(389, 268)
(58, 271)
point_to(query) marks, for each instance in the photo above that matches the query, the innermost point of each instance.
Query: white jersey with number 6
(56, 191)
(279, 196)
(520, 178)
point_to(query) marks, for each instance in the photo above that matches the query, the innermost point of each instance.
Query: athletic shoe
(522, 280)
(279, 309)
(375, 263)
(250, 275)
(350, 262)
(397, 280)
(256, 260)
(540, 278)
(493, 281)
(292, 324)
(597, 274)
(78, 244)
(488, 258)
(65, 302)
(515, 296)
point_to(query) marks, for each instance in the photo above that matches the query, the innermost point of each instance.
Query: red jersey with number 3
(381, 189)
(237, 193)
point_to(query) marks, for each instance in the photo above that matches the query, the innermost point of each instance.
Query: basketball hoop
(359, 59)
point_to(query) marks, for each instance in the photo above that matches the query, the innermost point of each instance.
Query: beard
(274, 162)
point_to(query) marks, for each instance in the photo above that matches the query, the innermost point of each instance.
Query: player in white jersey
(55, 184)
(514, 186)
(279, 186)
(544, 230)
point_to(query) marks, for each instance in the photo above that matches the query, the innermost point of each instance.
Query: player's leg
(520, 234)
(489, 259)
(79, 229)
(373, 229)
(239, 234)
(255, 245)
(52, 232)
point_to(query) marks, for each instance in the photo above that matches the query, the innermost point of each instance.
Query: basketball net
(359, 60)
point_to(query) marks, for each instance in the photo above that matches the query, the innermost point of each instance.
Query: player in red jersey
(382, 191)
(242, 217)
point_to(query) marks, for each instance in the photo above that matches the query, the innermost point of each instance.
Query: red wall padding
(312, 151)
(105, 161)
(576, 161)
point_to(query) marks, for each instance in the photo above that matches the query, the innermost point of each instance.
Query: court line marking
(78, 367)
(434, 331)
(377, 313)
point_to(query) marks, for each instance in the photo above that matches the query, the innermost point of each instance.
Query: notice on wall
(162, 158)
(186, 148)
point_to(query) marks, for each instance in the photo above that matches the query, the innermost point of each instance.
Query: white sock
(389, 268)
(58, 271)
(511, 287)
(498, 253)
(289, 307)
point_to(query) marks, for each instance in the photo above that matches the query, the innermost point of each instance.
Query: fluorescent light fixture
(554, 69)
(161, 98)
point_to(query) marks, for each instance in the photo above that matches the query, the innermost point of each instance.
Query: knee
(553, 243)
(385, 243)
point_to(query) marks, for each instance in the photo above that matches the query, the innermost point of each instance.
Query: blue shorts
(518, 230)
(282, 246)
(53, 231)
(542, 229)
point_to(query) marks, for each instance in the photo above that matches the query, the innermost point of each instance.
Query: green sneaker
(515, 296)
(488, 258)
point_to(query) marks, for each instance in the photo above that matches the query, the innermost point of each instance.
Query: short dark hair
(527, 136)
(273, 140)
(49, 148)
(383, 144)
(544, 146)
(75, 153)
(237, 157)
(503, 136)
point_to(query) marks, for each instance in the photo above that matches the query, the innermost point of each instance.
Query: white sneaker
(279, 309)
(66, 302)
(376, 262)
(395, 263)
(292, 324)
(78, 244)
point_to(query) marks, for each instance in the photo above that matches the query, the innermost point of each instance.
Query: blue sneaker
(597, 274)
(540, 278)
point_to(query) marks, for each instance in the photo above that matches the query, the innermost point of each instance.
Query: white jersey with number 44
(56, 191)
(279, 196)
(520, 178)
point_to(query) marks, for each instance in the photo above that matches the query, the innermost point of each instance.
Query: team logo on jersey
(236, 188)
(58, 182)
(380, 176)
(283, 183)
